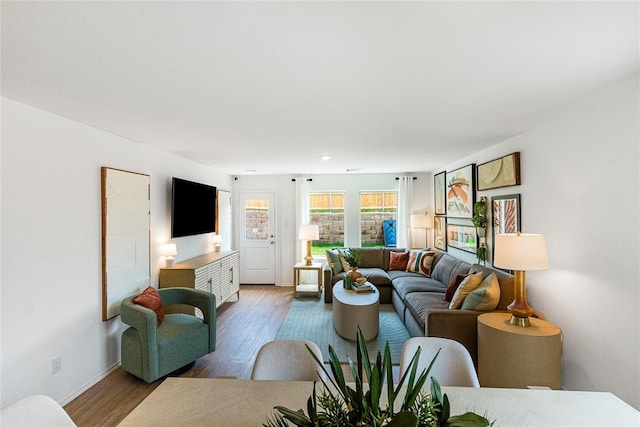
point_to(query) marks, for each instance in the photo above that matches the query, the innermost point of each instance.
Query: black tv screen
(193, 208)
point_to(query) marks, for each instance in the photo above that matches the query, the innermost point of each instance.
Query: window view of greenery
(327, 210)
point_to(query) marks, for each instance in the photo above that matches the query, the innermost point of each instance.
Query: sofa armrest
(145, 322)
(459, 325)
(327, 276)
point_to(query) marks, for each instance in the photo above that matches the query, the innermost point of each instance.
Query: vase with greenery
(353, 259)
(340, 404)
(479, 220)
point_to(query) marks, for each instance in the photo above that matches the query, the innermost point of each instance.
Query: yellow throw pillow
(485, 297)
(469, 283)
(345, 264)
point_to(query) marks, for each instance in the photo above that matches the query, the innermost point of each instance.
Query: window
(327, 210)
(375, 208)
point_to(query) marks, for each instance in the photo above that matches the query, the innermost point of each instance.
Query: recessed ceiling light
(326, 157)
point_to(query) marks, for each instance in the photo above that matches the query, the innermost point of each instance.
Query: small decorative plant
(352, 257)
(339, 404)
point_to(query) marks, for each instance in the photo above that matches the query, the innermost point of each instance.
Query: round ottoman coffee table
(351, 309)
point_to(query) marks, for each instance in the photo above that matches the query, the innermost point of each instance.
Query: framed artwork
(460, 192)
(126, 267)
(440, 193)
(440, 232)
(502, 172)
(462, 237)
(506, 214)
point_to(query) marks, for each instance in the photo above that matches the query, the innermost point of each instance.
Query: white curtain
(405, 209)
(302, 215)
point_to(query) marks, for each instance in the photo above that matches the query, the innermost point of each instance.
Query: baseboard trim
(90, 384)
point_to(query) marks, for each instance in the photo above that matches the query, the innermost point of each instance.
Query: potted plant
(353, 259)
(479, 220)
(339, 404)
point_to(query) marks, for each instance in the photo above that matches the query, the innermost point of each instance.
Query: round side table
(512, 356)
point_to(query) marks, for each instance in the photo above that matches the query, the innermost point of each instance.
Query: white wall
(51, 256)
(351, 184)
(580, 188)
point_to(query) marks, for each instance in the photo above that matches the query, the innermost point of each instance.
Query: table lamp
(309, 232)
(169, 251)
(520, 252)
(217, 242)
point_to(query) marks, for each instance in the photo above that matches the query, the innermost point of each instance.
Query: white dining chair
(288, 360)
(453, 367)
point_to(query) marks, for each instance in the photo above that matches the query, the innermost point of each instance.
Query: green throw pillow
(485, 297)
(333, 259)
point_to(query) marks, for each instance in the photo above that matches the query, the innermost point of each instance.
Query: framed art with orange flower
(460, 185)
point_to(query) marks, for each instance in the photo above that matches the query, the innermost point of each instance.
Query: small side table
(299, 286)
(515, 357)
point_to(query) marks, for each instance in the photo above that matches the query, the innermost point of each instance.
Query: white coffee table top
(349, 297)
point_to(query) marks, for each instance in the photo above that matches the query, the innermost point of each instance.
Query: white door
(256, 239)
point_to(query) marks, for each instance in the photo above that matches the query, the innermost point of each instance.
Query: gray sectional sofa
(418, 299)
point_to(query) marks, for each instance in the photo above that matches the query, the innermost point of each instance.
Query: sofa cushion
(377, 276)
(419, 303)
(370, 257)
(398, 260)
(416, 282)
(447, 267)
(343, 262)
(505, 281)
(485, 297)
(386, 255)
(469, 283)
(333, 259)
(453, 286)
(420, 262)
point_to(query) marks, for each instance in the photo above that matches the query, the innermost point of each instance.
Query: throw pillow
(333, 259)
(398, 260)
(420, 262)
(345, 264)
(468, 284)
(150, 298)
(453, 285)
(485, 297)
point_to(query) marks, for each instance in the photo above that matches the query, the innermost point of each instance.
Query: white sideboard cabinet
(215, 272)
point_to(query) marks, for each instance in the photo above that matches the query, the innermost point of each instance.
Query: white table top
(349, 297)
(226, 402)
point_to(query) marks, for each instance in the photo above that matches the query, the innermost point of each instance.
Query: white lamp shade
(217, 239)
(520, 251)
(169, 249)
(420, 221)
(309, 232)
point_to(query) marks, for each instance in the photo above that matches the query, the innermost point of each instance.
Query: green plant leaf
(404, 419)
(296, 417)
(468, 419)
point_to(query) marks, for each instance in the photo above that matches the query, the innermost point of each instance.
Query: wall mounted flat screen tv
(193, 208)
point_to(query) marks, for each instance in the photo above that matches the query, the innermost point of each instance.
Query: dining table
(237, 402)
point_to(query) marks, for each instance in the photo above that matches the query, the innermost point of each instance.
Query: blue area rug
(313, 320)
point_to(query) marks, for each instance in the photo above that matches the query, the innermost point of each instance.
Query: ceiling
(269, 87)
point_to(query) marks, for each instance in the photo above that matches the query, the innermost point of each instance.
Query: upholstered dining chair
(288, 360)
(151, 351)
(453, 367)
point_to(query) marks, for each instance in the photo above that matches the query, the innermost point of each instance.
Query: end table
(299, 286)
(512, 356)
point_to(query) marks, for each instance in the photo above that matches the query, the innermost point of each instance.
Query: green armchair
(149, 351)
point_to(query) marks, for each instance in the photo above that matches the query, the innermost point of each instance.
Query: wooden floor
(242, 328)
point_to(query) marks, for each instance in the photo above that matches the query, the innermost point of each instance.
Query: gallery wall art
(502, 172)
(460, 185)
